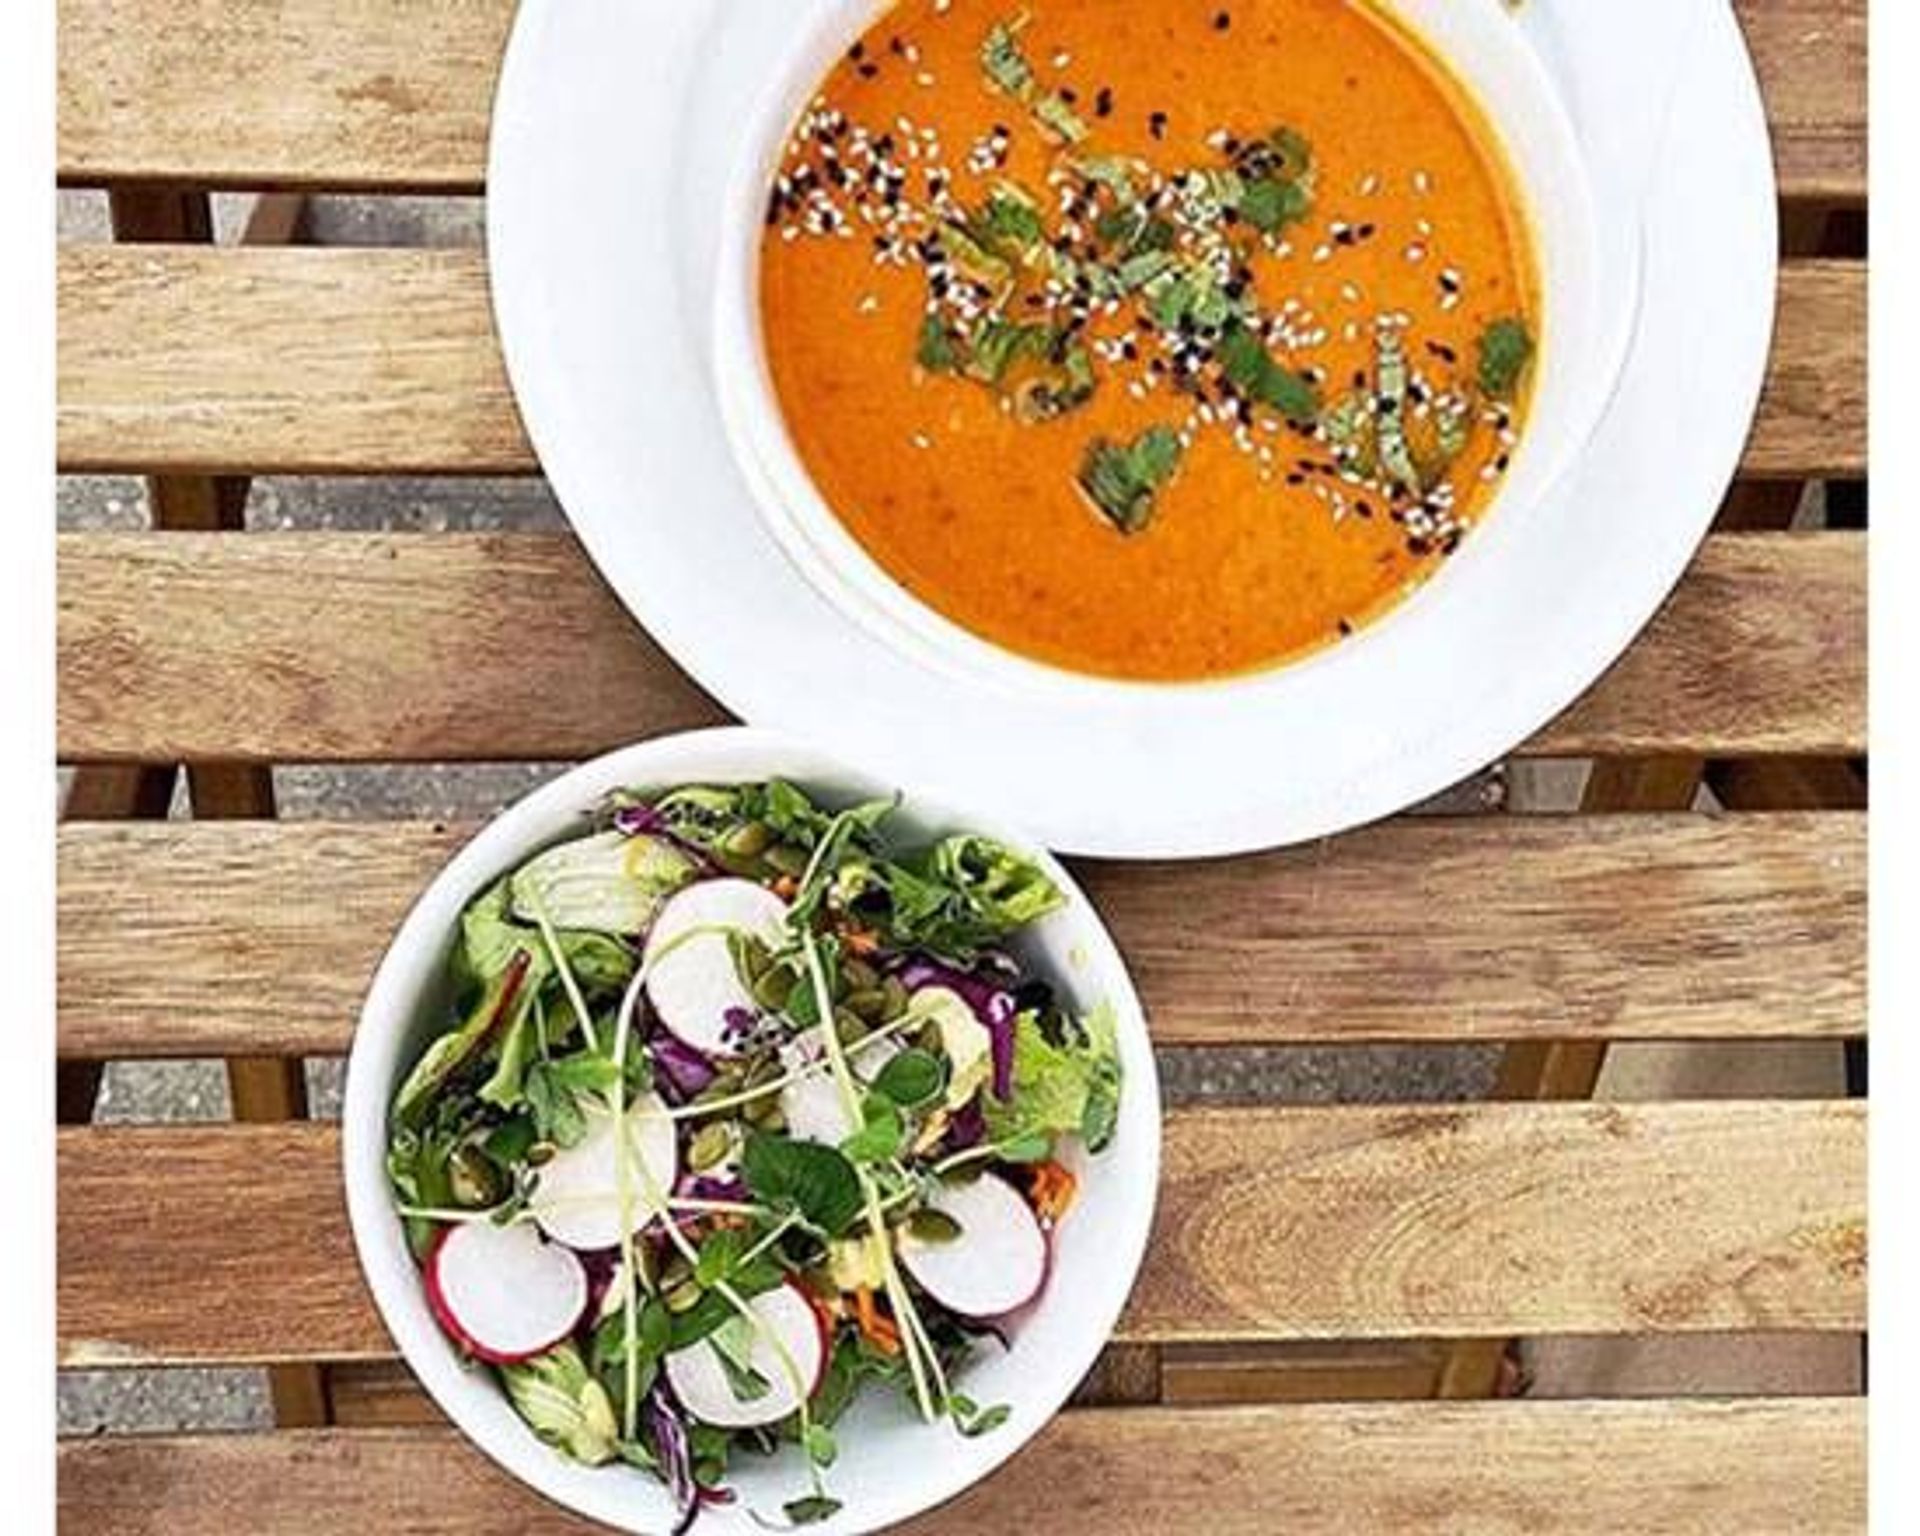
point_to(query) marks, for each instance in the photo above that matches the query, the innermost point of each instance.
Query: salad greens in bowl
(732, 1140)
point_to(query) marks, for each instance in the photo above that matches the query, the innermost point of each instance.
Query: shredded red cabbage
(632, 820)
(681, 1071)
(670, 1445)
(967, 1128)
(700, 1186)
(992, 1005)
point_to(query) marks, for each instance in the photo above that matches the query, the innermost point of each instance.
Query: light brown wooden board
(184, 359)
(1761, 1468)
(343, 93)
(184, 940)
(230, 1243)
(394, 647)
(279, 93)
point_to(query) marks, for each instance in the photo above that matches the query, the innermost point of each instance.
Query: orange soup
(1149, 338)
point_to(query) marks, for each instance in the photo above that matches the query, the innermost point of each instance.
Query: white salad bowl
(890, 1466)
(1587, 298)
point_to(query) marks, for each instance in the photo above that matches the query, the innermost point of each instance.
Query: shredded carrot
(860, 941)
(875, 1327)
(786, 887)
(1053, 1190)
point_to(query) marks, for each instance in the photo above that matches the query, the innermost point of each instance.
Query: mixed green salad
(739, 1109)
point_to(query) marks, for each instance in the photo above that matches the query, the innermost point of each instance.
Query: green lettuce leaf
(607, 883)
(564, 1405)
(962, 894)
(1065, 1082)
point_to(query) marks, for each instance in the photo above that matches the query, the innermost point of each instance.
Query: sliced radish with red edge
(701, 1382)
(693, 982)
(577, 1201)
(997, 1263)
(813, 1106)
(502, 1293)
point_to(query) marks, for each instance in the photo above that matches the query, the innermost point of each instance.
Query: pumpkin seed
(748, 841)
(868, 1004)
(786, 858)
(710, 1146)
(475, 1181)
(931, 1226)
(772, 989)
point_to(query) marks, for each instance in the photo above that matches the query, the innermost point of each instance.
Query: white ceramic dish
(1584, 326)
(890, 1466)
(618, 144)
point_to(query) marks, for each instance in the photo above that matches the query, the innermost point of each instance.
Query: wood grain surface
(1321, 1223)
(1794, 1467)
(345, 361)
(340, 94)
(356, 93)
(257, 938)
(397, 647)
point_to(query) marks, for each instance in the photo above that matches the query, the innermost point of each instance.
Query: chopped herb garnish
(1270, 206)
(1122, 481)
(1009, 223)
(936, 353)
(1390, 433)
(1007, 67)
(1251, 369)
(1506, 347)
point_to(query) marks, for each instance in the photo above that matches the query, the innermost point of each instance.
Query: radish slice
(701, 1382)
(577, 1201)
(695, 986)
(503, 1294)
(998, 1262)
(813, 1107)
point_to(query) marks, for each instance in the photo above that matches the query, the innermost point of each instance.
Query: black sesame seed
(1345, 628)
(1103, 102)
(1222, 21)
(868, 71)
(857, 51)
(1157, 124)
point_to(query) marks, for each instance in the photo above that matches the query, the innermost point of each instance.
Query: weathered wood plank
(1354, 1222)
(1766, 1468)
(183, 359)
(337, 94)
(187, 940)
(507, 646)
(346, 93)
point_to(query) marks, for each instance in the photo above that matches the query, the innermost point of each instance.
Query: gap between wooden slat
(493, 647)
(182, 940)
(1325, 1223)
(182, 359)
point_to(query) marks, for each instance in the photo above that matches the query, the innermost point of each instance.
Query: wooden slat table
(1368, 1251)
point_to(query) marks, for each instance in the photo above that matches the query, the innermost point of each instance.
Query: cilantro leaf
(1506, 347)
(1251, 370)
(1122, 480)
